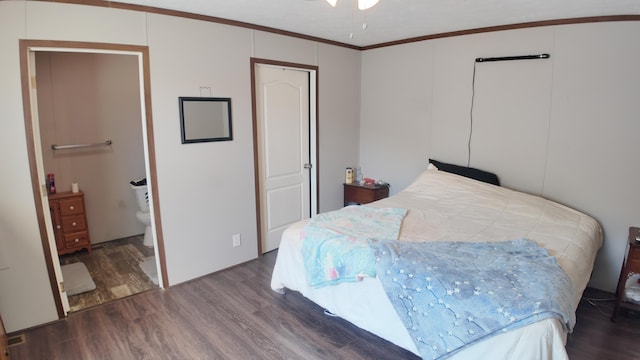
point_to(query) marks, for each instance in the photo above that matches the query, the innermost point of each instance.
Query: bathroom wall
(89, 98)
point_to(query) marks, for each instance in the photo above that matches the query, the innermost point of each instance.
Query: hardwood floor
(596, 337)
(234, 314)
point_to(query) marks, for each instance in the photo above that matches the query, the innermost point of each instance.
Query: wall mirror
(204, 119)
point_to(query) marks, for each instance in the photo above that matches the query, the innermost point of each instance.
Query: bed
(443, 207)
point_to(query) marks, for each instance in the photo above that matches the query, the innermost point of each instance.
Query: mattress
(447, 207)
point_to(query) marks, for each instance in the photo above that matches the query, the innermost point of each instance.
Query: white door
(282, 111)
(43, 193)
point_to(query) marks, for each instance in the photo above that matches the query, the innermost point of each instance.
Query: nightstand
(69, 222)
(355, 193)
(630, 266)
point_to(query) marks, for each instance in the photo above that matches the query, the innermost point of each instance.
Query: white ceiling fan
(362, 4)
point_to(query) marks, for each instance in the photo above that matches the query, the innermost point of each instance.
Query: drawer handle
(58, 226)
(76, 240)
(71, 207)
(73, 223)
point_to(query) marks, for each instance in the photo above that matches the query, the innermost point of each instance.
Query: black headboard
(469, 172)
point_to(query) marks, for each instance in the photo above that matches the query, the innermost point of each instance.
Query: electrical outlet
(236, 240)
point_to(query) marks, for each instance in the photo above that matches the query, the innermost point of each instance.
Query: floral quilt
(335, 244)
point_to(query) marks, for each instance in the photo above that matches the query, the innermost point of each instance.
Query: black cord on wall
(473, 87)
(473, 96)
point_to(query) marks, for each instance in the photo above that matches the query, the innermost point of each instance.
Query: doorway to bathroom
(89, 112)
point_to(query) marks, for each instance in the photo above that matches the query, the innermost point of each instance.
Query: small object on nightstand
(626, 293)
(363, 194)
(51, 183)
(348, 175)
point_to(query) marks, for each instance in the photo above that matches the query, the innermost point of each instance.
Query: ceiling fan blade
(366, 4)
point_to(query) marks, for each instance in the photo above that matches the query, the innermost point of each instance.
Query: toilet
(143, 215)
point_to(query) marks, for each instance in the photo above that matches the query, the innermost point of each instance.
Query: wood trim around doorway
(254, 62)
(25, 46)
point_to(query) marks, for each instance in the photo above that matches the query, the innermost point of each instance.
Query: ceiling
(391, 20)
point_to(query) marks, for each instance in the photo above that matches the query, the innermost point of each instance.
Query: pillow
(469, 172)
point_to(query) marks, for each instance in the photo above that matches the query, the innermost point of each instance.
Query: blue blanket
(335, 244)
(452, 294)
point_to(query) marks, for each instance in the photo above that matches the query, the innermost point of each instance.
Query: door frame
(27, 48)
(312, 70)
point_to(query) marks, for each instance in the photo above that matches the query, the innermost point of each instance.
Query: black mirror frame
(183, 133)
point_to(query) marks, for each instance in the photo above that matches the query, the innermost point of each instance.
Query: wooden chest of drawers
(69, 222)
(355, 193)
(630, 266)
(4, 343)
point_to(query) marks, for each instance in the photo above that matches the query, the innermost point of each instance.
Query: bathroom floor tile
(114, 268)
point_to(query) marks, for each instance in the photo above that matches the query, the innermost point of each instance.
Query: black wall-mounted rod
(507, 58)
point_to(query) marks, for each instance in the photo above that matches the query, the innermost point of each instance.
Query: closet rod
(76, 146)
(520, 57)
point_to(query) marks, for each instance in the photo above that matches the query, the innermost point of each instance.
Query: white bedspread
(447, 207)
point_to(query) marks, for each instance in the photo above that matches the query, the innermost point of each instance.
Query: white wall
(339, 121)
(564, 128)
(396, 114)
(25, 294)
(206, 189)
(593, 142)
